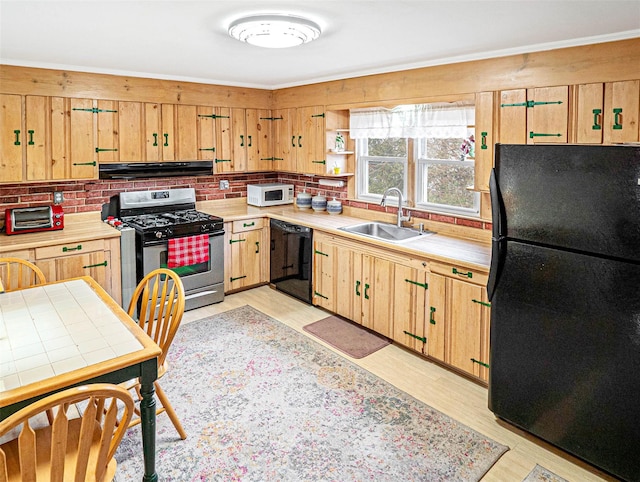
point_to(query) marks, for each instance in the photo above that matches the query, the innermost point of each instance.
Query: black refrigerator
(564, 288)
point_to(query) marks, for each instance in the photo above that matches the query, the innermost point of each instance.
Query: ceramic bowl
(334, 206)
(303, 200)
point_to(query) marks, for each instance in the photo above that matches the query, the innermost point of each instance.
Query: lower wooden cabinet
(246, 254)
(98, 258)
(434, 308)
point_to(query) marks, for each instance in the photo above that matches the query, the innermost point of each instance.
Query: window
(425, 150)
(444, 171)
(382, 163)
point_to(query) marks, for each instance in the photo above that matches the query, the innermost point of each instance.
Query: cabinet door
(36, 113)
(589, 113)
(12, 138)
(131, 132)
(621, 109)
(284, 150)
(186, 130)
(59, 138)
(108, 131)
(325, 269)
(246, 259)
(206, 133)
(436, 323)
(513, 117)
(377, 302)
(259, 140)
(311, 158)
(153, 132)
(168, 129)
(224, 161)
(410, 299)
(240, 140)
(484, 140)
(82, 145)
(465, 329)
(548, 119)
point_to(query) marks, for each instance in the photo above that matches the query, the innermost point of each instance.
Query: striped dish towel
(188, 250)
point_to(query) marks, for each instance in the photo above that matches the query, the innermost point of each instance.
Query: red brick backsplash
(89, 196)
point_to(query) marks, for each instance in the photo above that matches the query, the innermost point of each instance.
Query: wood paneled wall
(604, 62)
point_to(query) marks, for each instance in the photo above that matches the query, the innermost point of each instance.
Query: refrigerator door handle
(498, 243)
(498, 253)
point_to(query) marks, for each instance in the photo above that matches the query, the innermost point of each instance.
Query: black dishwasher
(291, 258)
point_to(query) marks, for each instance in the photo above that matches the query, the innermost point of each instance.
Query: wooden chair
(18, 274)
(79, 449)
(159, 301)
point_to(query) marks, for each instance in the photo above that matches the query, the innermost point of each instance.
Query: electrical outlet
(224, 184)
(58, 198)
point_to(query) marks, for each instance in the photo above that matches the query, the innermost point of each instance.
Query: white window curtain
(443, 120)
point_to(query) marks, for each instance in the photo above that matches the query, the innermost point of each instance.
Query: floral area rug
(262, 402)
(540, 474)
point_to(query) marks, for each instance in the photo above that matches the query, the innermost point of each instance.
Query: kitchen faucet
(401, 217)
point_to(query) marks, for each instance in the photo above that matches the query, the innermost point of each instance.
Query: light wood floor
(443, 390)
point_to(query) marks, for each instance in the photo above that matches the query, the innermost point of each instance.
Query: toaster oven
(31, 220)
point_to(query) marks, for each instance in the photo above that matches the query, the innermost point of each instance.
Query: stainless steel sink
(385, 231)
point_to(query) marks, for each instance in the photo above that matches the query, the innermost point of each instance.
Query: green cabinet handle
(92, 163)
(77, 248)
(320, 295)
(166, 140)
(357, 288)
(222, 160)
(317, 115)
(319, 162)
(530, 103)
(293, 141)
(366, 289)
(98, 149)
(483, 140)
(299, 141)
(241, 140)
(94, 110)
(212, 149)
(483, 303)
(486, 365)
(421, 338)
(17, 141)
(423, 285)
(542, 134)
(155, 139)
(468, 274)
(432, 320)
(257, 247)
(104, 263)
(248, 225)
(231, 241)
(249, 145)
(617, 119)
(30, 142)
(232, 279)
(597, 114)
(320, 253)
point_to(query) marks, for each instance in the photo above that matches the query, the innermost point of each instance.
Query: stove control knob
(158, 234)
(204, 228)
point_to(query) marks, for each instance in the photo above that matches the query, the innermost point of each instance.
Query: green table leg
(148, 421)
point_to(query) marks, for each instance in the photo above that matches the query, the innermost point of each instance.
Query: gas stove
(160, 215)
(161, 226)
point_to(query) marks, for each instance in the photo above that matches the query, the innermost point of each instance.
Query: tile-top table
(70, 333)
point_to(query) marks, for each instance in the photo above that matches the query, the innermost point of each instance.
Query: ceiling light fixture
(274, 30)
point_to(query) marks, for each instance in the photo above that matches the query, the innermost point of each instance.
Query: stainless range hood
(141, 170)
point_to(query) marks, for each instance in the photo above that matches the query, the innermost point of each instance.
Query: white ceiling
(187, 40)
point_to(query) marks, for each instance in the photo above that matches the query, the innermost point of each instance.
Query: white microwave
(272, 194)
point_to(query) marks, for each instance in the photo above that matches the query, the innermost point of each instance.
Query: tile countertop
(474, 253)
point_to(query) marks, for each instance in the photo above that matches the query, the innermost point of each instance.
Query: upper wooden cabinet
(531, 116)
(12, 137)
(484, 140)
(244, 140)
(259, 140)
(607, 113)
(284, 129)
(310, 141)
